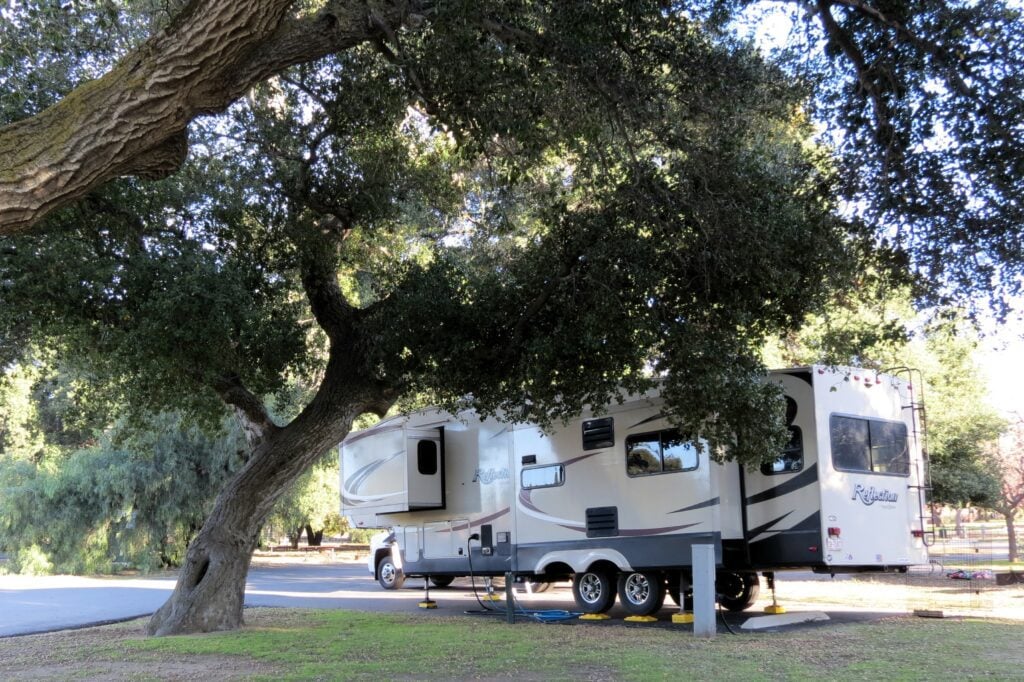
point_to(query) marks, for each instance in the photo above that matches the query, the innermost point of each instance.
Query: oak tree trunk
(314, 538)
(210, 592)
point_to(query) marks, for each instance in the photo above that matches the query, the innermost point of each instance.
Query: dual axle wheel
(642, 593)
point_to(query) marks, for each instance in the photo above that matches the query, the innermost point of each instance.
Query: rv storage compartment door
(425, 468)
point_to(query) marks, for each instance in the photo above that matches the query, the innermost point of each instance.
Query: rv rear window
(869, 445)
(792, 459)
(659, 452)
(543, 477)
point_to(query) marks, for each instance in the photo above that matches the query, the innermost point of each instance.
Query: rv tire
(593, 591)
(388, 575)
(737, 591)
(641, 593)
(442, 580)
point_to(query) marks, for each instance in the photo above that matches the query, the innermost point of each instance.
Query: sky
(1002, 359)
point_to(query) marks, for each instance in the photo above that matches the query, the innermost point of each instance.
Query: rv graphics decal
(870, 495)
(488, 476)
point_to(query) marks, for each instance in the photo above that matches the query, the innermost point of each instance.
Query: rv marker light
(833, 532)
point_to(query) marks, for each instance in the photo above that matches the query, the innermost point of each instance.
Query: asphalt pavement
(41, 604)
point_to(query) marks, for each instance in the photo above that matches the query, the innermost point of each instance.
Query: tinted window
(869, 445)
(543, 477)
(659, 452)
(889, 454)
(426, 457)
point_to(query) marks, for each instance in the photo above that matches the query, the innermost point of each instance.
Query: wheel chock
(595, 616)
(774, 608)
(682, 618)
(641, 619)
(428, 604)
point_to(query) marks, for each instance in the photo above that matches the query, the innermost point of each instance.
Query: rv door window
(426, 457)
(543, 477)
(869, 445)
(659, 452)
(792, 459)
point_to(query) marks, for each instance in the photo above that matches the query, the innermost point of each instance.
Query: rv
(616, 499)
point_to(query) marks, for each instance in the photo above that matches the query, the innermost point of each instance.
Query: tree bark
(294, 535)
(1011, 533)
(133, 120)
(314, 538)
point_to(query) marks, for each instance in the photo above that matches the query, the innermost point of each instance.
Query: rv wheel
(442, 580)
(641, 593)
(593, 591)
(388, 575)
(737, 591)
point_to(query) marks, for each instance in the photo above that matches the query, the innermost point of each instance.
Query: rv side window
(869, 445)
(659, 452)
(426, 457)
(543, 477)
(792, 458)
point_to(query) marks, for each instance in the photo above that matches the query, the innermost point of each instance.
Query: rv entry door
(425, 468)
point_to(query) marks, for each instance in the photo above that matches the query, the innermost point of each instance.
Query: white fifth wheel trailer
(616, 500)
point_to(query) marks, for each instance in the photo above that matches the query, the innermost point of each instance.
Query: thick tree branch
(252, 410)
(133, 120)
(318, 263)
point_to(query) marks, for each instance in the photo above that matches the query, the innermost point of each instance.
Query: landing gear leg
(683, 617)
(774, 606)
(427, 602)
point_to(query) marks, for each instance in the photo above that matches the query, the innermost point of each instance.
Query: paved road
(30, 604)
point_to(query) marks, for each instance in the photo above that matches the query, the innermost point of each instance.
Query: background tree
(1008, 460)
(80, 495)
(311, 505)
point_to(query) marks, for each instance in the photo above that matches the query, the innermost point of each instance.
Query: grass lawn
(280, 644)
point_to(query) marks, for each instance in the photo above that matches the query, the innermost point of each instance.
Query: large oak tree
(516, 206)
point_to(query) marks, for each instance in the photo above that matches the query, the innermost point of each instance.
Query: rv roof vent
(598, 433)
(602, 522)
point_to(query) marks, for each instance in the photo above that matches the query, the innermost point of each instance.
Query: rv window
(659, 452)
(426, 457)
(889, 453)
(869, 445)
(543, 477)
(792, 458)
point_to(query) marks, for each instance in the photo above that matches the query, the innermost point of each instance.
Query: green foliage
(133, 499)
(311, 502)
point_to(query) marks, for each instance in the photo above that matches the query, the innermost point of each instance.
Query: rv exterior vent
(602, 522)
(598, 433)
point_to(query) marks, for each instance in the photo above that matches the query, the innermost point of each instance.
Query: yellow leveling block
(641, 619)
(774, 608)
(428, 604)
(594, 616)
(682, 618)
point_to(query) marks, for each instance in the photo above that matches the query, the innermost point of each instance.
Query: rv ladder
(919, 432)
